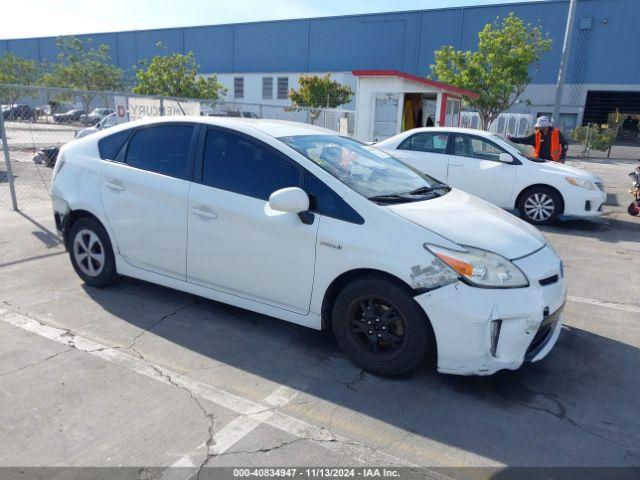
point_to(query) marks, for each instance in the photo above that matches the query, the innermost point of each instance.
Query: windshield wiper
(425, 190)
(392, 198)
(420, 191)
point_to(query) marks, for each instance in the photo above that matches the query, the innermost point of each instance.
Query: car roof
(473, 131)
(274, 128)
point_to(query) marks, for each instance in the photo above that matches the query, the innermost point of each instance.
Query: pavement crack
(169, 379)
(361, 377)
(144, 331)
(263, 450)
(561, 414)
(39, 362)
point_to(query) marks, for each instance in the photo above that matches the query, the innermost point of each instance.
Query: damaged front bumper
(481, 330)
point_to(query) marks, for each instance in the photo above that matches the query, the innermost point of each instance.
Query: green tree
(598, 137)
(82, 66)
(176, 75)
(17, 71)
(499, 71)
(319, 92)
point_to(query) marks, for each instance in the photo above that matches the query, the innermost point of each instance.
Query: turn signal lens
(581, 182)
(463, 268)
(480, 268)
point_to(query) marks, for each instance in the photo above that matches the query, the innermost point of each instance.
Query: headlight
(580, 182)
(481, 268)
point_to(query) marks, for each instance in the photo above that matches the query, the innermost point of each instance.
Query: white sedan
(494, 169)
(308, 226)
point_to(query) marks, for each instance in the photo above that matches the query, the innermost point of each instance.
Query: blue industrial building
(603, 71)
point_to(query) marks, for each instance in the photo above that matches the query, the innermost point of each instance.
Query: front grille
(543, 334)
(600, 186)
(549, 280)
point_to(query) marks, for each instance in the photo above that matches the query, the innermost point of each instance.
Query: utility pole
(555, 118)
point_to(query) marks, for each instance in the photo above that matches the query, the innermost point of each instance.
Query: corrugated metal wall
(403, 41)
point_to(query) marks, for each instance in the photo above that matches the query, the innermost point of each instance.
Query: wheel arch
(345, 278)
(528, 188)
(72, 217)
(336, 286)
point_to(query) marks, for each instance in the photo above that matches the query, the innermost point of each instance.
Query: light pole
(562, 70)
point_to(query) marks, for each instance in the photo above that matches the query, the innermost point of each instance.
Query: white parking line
(252, 413)
(241, 426)
(599, 303)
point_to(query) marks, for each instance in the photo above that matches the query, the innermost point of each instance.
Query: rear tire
(540, 206)
(91, 253)
(380, 327)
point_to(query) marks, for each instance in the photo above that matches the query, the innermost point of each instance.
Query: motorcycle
(634, 207)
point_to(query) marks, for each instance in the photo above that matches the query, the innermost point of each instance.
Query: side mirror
(291, 200)
(506, 157)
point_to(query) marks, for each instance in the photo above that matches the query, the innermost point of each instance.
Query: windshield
(371, 172)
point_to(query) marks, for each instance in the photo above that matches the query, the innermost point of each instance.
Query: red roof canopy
(414, 78)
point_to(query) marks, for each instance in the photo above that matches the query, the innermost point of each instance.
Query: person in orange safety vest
(548, 142)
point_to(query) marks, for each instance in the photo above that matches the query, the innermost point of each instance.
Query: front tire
(380, 327)
(540, 206)
(91, 253)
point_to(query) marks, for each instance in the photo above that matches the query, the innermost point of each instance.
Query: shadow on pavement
(578, 407)
(605, 229)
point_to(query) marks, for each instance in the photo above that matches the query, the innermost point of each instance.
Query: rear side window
(238, 164)
(162, 149)
(426, 142)
(111, 145)
(328, 203)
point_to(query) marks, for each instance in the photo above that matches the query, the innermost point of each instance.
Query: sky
(39, 18)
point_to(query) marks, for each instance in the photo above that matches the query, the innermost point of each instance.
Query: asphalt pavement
(138, 375)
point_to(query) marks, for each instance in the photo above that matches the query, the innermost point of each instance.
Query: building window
(267, 88)
(283, 88)
(238, 87)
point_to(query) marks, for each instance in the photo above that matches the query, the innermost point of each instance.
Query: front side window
(371, 172)
(326, 202)
(238, 164)
(162, 149)
(475, 147)
(426, 142)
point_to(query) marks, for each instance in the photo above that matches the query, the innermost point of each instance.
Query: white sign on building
(121, 108)
(140, 107)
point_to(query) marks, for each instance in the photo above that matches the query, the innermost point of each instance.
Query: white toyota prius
(315, 228)
(485, 164)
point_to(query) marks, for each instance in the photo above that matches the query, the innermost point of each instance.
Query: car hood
(563, 169)
(468, 220)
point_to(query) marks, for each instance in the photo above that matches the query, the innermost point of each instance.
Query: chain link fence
(38, 121)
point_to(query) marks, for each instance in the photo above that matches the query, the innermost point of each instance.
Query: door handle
(115, 185)
(204, 213)
(456, 164)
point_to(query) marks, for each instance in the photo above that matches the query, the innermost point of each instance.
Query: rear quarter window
(109, 146)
